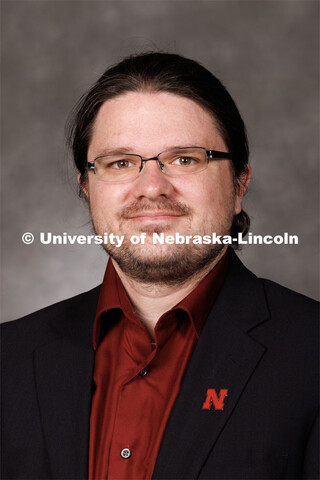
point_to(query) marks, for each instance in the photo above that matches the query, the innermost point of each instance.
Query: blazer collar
(73, 319)
(242, 298)
(63, 375)
(225, 358)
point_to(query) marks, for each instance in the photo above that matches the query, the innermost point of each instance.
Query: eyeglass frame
(211, 155)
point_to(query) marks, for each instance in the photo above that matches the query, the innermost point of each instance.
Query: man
(184, 364)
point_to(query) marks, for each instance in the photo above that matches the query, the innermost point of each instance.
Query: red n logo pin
(214, 400)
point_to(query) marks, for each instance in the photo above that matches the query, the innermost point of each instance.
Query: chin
(164, 264)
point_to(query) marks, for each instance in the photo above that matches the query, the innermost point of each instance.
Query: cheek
(103, 195)
(223, 186)
(214, 197)
(214, 189)
(102, 207)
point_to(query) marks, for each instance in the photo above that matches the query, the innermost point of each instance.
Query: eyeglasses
(174, 163)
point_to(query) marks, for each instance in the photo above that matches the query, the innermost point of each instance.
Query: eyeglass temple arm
(215, 154)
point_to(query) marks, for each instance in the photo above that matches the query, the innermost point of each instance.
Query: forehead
(148, 123)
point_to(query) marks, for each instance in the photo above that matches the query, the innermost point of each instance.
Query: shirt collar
(200, 301)
(197, 304)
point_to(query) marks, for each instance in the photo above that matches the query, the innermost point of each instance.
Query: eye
(121, 164)
(184, 161)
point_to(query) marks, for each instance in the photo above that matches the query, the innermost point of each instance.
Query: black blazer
(259, 342)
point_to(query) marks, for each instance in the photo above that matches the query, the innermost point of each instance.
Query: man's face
(196, 204)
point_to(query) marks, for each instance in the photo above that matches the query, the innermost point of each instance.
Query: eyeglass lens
(122, 167)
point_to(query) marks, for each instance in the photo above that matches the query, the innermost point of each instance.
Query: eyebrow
(128, 150)
(114, 151)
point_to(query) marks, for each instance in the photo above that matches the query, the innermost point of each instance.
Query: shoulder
(260, 305)
(39, 327)
(287, 301)
(250, 289)
(291, 331)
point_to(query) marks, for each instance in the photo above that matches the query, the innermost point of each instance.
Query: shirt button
(143, 372)
(125, 453)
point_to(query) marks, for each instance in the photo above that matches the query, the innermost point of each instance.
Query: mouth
(155, 216)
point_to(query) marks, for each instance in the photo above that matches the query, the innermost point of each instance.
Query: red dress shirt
(137, 382)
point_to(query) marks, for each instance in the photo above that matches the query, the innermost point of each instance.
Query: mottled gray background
(265, 52)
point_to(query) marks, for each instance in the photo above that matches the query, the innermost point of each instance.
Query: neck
(153, 300)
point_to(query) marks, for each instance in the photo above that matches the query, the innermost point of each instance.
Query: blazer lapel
(63, 375)
(225, 358)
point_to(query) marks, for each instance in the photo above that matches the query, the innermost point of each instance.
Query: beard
(175, 267)
(162, 264)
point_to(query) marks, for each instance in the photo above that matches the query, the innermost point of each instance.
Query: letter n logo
(214, 400)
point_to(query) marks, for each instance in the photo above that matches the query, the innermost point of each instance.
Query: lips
(155, 217)
(155, 214)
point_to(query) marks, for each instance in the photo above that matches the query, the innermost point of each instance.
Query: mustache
(141, 206)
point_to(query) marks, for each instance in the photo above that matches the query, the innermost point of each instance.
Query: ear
(83, 186)
(242, 184)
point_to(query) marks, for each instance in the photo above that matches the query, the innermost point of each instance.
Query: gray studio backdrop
(265, 52)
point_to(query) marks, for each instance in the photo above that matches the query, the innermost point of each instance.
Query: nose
(152, 182)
